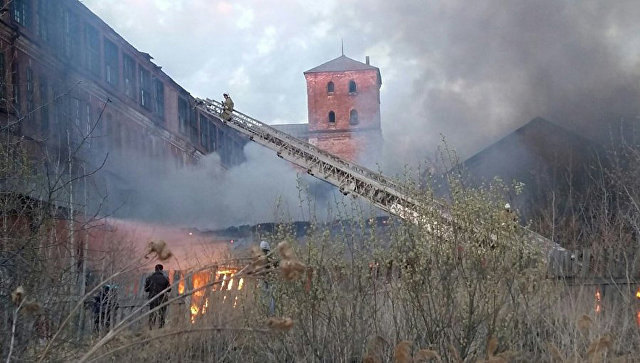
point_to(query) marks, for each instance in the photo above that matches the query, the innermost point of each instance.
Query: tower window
(352, 86)
(353, 117)
(332, 117)
(330, 87)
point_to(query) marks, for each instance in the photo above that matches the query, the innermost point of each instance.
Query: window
(158, 95)
(43, 19)
(3, 82)
(113, 130)
(204, 131)
(353, 117)
(183, 115)
(212, 137)
(352, 86)
(30, 91)
(70, 36)
(145, 88)
(129, 67)
(332, 117)
(330, 87)
(44, 108)
(58, 107)
(22, 12)
(15, 81)
(111, 70)
(89, 123)
(193, 123)
(92, 61)
(76, 117)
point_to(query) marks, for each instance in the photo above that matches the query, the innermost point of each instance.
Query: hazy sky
(472, 71)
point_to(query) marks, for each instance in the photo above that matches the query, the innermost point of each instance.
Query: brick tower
(344, 109)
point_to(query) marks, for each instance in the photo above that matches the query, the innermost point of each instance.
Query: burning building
(74, 97)
(69, 80)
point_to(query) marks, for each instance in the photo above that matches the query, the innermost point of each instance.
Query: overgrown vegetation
(459, 282)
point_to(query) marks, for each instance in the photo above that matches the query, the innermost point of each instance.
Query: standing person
(155, 286)
(228, 107)
(104, 303)
(266, 286)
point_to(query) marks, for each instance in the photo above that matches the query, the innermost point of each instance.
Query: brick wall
(343, 138)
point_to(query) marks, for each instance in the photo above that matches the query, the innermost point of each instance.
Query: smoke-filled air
(468, 72)
(320, 181)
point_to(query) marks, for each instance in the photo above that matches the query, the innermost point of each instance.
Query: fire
(199, 299)
(598, 297)
(181, 285)
(199, 279)
(638, 293)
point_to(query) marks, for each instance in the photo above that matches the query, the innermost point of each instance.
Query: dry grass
(477, 291)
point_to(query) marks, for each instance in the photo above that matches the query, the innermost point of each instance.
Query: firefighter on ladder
(228, 107)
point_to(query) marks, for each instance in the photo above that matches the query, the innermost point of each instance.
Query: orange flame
(638, 293)
(181, 285)
(199, 301)
(199, 279)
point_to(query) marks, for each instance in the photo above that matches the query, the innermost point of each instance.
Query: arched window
(352, 86)
(353, 117)
(330, 87)
(332, 117)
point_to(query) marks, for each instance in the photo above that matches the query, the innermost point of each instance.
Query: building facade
(67, 76)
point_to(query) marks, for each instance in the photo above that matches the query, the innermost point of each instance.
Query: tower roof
(340, 64)
(344, 63)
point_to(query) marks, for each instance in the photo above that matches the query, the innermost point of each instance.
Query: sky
(470, 71)
(466, 71)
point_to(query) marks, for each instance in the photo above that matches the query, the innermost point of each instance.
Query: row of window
(353, 88)
(353, 117)
(82, 44)
(206, 134)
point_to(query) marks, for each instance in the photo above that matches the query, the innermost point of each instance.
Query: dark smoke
(470, 70)
(485, 68)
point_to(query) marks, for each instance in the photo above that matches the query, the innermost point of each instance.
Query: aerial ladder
(353, 179)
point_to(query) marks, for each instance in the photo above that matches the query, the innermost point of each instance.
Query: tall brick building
(343, 98)
(67, 78)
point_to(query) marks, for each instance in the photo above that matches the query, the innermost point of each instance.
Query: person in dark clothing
(155, 285)
(104, 304)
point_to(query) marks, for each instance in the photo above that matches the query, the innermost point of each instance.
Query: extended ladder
(351, 178)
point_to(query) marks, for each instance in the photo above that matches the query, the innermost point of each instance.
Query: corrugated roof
(340, 64)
